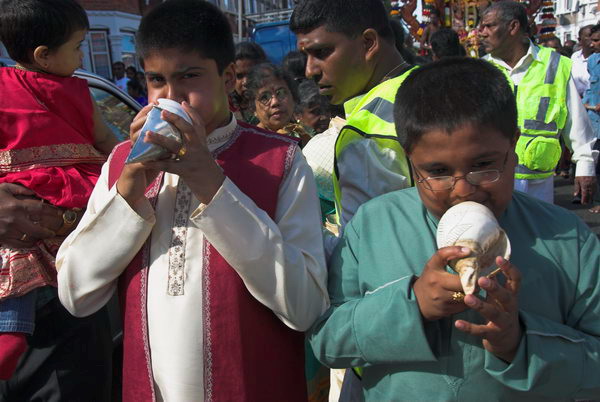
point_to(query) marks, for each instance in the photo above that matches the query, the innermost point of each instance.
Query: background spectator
(445, 43)
(136, 91)
(131, 72)
(313, 110)
(119, 78)
(274, 95)
(247, 55)
(294, 63)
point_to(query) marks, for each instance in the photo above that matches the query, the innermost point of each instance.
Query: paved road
(563, 194)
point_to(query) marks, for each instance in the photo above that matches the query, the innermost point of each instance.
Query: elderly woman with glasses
(275, 97)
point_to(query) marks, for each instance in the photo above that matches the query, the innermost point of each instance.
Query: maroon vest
(249, 354)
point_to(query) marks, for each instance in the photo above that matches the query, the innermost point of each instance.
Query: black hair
(131, 68)
(594, 29)
(445, 43)
(583, 29)
(260, 73)
(508, 11)
(309, 96)
(435, 12)
(545, 40)
(119, 63)
(27, 24)
(350, 17)
(250, 51)
(294, 63)
(189, 26)
(135, 85)
(447, 94)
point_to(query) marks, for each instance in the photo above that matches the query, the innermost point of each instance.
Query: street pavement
(563, 195)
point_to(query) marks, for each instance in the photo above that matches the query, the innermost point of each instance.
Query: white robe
(281, 262)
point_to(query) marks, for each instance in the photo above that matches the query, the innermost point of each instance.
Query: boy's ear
(371, 42)
(40, 56)
(229, 77)
(513, 143)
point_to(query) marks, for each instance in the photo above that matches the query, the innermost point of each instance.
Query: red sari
(46, 145)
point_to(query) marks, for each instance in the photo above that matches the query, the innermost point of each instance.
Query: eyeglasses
(265, 97)
(443, 183)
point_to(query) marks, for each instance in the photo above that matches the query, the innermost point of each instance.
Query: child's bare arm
(104, 139)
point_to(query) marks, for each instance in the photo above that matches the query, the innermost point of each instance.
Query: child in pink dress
(52, 141)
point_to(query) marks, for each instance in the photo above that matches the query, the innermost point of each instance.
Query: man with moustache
(548, 103)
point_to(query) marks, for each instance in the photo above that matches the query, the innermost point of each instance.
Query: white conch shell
(473, 225)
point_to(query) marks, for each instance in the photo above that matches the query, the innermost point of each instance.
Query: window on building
(128, 50)
(99, 54)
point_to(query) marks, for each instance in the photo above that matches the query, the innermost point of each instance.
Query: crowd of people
(285, 248)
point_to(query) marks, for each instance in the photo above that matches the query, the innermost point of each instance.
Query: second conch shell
(473, 225)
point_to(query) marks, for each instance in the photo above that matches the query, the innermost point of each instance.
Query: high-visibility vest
(542, 108)
(371, 117)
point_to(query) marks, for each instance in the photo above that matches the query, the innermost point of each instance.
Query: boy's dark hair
(294, 63)
(250, 51)
(27, 24)
(450, 93)
(260, 73)
(189, 26)
(508, 11)
(445, 43)
(350, 17)
(594, 29)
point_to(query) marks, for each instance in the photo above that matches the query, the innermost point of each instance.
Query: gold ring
(24, 237)
(181, 151)
(458, 297)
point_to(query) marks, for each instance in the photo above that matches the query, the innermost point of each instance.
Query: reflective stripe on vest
(372, 118)
(542, 107)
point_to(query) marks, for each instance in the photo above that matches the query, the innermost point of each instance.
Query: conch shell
(473, 225)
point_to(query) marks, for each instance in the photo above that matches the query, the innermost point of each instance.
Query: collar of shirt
(518, 71)
(221, 135)
(578, 56)
(523, 64)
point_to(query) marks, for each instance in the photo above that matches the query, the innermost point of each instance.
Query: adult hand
(584, 187)
(135, 178)
(193, 163)
(24, 219)
(502, 333)
(435, 287)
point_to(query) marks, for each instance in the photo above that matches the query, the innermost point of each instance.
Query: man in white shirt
(581, 77)
(503, 31)
(119, 77)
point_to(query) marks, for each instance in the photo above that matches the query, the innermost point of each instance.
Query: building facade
(573, 15)
(114, 23)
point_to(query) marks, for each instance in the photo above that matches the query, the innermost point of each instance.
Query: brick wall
(127, 6)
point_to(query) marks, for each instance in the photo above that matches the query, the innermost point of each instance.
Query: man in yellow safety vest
(547, 101)
(353, 58)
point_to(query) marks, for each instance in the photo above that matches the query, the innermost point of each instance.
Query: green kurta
(375, 323)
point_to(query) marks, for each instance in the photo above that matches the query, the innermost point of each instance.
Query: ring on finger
(182, 151)
(458, 297)
(24, 237)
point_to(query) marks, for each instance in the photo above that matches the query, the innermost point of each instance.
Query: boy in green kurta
(532, 333)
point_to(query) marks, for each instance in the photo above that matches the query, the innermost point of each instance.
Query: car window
(117, 114)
